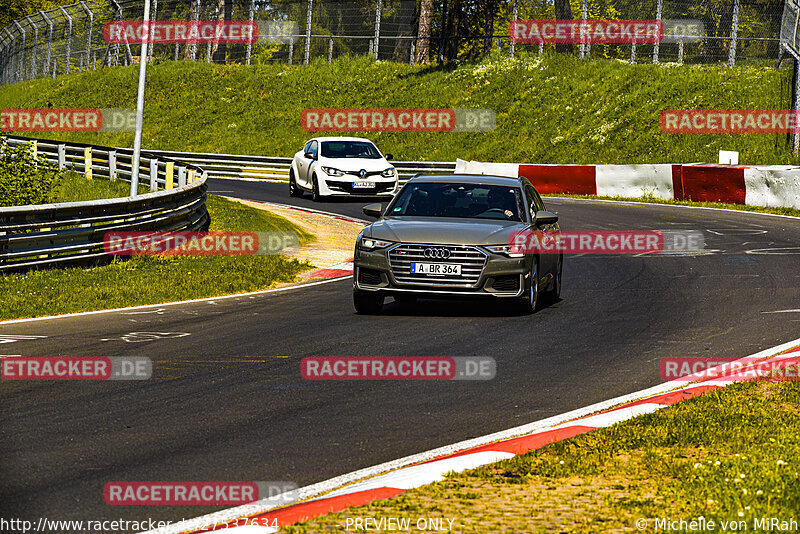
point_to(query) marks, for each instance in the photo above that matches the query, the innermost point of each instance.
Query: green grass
(75, 187)
(154, 279)
(729, 455)
(550, 109)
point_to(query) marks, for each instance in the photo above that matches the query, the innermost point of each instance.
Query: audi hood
(444, 230)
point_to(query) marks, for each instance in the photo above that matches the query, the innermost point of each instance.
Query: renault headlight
(330, 171)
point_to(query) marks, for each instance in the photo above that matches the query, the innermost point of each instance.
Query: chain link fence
(70, 38)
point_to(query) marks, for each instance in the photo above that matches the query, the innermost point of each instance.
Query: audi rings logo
(438, 253)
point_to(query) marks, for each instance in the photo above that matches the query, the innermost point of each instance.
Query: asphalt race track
(227, 401)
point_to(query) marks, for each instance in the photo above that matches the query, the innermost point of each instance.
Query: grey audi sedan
(448, 235)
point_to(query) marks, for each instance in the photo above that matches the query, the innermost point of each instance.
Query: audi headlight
(330, 171)
(389, 173)
(505, 250)
(368, 243)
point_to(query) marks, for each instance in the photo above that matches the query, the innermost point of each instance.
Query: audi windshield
(350, 149)
(474, 201)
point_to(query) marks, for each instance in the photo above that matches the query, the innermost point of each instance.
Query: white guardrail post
(71, 233)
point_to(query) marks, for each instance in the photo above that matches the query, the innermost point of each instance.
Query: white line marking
(784, 311)
(11, 338)
(634, 203)
(320, 488)
(177, 303)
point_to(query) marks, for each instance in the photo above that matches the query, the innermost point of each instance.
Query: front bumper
(500, 276)
(344, 185)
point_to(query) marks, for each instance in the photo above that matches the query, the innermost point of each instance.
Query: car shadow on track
(458, 308)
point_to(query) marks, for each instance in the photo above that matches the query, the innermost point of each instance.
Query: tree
(424, 31)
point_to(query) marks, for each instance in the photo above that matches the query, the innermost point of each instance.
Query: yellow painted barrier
(190, 179)
(87, 161)
(170, 173)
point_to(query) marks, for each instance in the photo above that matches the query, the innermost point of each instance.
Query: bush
(24, 178)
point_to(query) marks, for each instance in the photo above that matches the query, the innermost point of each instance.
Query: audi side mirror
(546, 217)
(373, 210)
(388, 156)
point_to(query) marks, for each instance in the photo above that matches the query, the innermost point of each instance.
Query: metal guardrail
(72, 232)
(276, 168)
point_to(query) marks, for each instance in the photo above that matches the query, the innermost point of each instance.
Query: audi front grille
(472, 261)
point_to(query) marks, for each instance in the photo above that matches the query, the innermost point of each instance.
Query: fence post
(584, 15)
(249, 44)
(181, 176)
(69, 38)
(168, 181)
(152, 43)
(11, 58)
(659, 7)
(116, 46)
(87, 162)
(34, 148)
(196, 18)
(734, 30)
(291, 49)
(62, 157)
(208, 47)
(680, 51)
(35, 43)
(443, 32)
(330, 50)
(413, 46)
(378, 9)
(633, 52)
(112, 165)
(514, 15)
(49, 42)
(89, 36)
(21, 67)
(153, 174)
(308, 32)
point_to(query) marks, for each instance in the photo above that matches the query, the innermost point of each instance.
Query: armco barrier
(269, 167)
(72, 232)
(768, 186)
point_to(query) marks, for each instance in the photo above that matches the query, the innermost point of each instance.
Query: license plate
(363, 185)
(436, 268)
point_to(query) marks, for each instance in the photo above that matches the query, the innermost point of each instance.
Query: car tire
(554, 294)
(367, 302)
(294, 190)
(315, 196)
(530, 302)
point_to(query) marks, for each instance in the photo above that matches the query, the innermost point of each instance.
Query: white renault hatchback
(342, 166)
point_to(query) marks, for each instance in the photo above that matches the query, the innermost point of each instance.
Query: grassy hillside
(550, 109)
